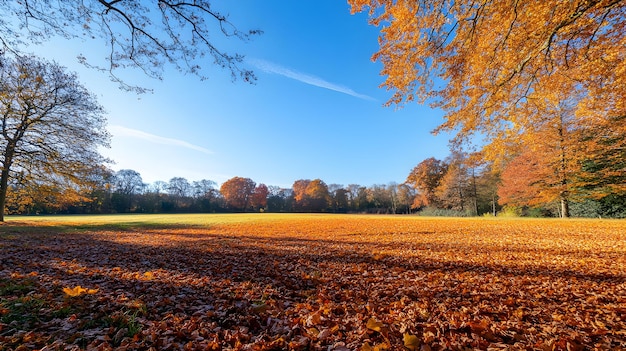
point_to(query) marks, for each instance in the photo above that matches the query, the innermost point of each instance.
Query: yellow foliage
(543, 76)
(374, 325)
(411, 342)
(78, 290)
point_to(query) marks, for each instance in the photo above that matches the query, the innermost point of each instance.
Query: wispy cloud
(270, 67)
(138, 134)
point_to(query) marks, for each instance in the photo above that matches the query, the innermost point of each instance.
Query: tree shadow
(186, 271)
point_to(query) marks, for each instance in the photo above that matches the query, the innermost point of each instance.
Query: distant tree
(338, 197)
(259, 197)
(455, 189)
(353, 192)
(357, 197)
(238, 192)
(299, 194)
(51, 127)
(487, 182)
(179, 187)
(180, 192)
(311, 195)
(406, 197)
(158, 187)
(203, 188)
(280, 199)
(425, 178)
(340, 200)
(380, 198)
(205, 195)
(101, 179)
(361, 202)
(317, 196)
(127, 184)
(139, 34)
(392, 190)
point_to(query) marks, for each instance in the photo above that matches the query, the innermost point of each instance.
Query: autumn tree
(51, 127)
(259, 196)
(425, 178)
(317, 196)
(99, 195)
(143, 34)
(505, 69)
(381, 198)
(487, 182)
(299, 194)
(406, 198)
(311, 195)
(603, 164)
(238, 192)
(456, 189)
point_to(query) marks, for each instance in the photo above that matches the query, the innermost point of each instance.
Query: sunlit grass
(121, 221)
(142, 220)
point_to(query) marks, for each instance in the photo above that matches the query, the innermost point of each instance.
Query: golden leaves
(411, 342)
(374, 325)
(498, 69)
(78, 290)
(320, 282)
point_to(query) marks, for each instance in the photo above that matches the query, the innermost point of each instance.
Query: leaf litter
(320, 283)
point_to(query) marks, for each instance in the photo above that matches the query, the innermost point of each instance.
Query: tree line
(455, 186)
(125, 192)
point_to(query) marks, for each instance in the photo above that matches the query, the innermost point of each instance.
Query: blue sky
(316, 110)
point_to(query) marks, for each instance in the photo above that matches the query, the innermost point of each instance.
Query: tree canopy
(517, 75)
(51, 128)
(143, 34)
(479, 61)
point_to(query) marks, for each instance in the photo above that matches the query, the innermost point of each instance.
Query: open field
(319, 282)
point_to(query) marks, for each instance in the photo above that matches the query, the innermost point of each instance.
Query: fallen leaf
(374, 325)
(411, 342)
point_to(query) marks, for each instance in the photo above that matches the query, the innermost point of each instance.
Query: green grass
(10, 287)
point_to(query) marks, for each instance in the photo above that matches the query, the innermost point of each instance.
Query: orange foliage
(503, 69)
(238, 192)
(320, 282)
(493, 54)
(425, 178)
(311, 195)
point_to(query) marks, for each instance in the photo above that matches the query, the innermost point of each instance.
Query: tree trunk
(4, 178)
(563, 168)
(475, 189)
(4, 181)
(564, 208)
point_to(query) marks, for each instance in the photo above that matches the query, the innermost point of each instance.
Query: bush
(442, 212)
(510, 211)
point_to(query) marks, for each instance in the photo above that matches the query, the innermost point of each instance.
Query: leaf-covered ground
(315, 283)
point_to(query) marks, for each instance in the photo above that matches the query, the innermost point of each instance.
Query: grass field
(318, 282)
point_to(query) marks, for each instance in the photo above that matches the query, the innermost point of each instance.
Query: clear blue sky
(316, 110)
